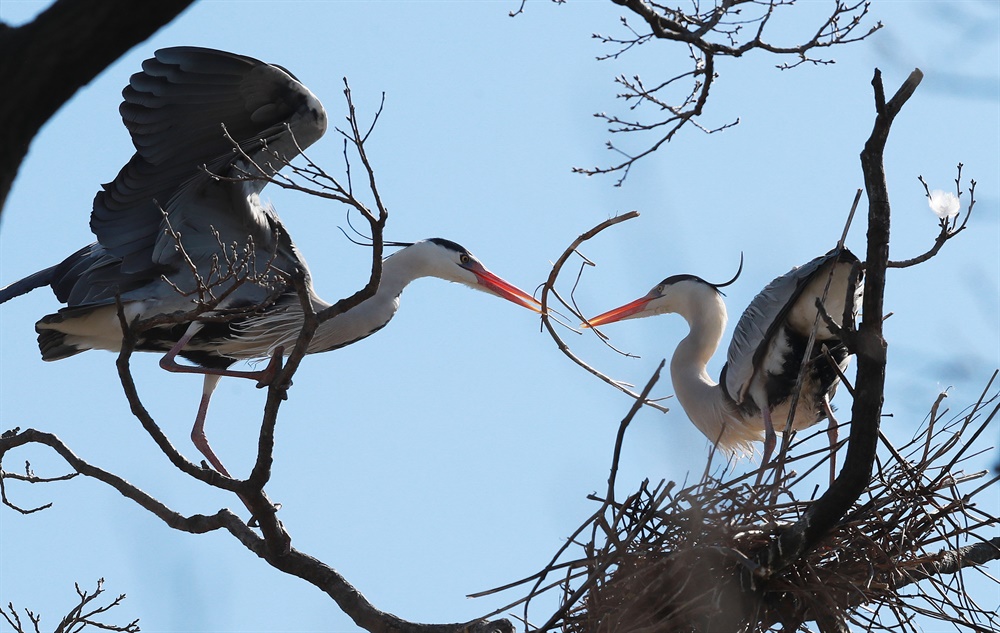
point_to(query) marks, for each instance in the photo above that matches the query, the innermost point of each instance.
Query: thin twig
(549, 287)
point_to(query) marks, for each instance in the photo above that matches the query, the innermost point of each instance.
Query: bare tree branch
(954, 561)
(287, 560)
(728, 28)
(28, 477)
(549, 287)
(195, 524)
(77, 619)
(949, 227)
(52, 57)
(870, 348)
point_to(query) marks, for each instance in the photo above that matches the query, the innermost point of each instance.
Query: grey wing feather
(175, 109)
(89, 276)
(763, 316)
(29, 283)
(92, 276)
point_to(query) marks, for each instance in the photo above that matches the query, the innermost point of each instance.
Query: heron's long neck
(374, 313)
(701, 397)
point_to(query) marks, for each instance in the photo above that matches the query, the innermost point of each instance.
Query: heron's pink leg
(212, 376)
(832, 433)
(198, 432)
(262, 376)
(201, 440)
(770, 440)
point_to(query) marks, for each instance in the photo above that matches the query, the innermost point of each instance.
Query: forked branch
(870, 348)
(81, 617)
(727, 28)
(951, 224)
(290, 560)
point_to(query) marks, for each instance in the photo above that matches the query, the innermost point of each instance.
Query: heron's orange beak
(506, 290)
(619, 313)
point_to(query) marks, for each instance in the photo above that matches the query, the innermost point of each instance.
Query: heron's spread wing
(175, 110)
(765, 314)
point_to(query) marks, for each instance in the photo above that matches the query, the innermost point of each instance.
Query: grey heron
(183, 220)
(767, 350)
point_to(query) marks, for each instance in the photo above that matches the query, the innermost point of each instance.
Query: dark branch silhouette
(869, 347)
(84, 615)
(47, 60)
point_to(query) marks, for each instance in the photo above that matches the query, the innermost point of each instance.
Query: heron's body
(756, 386)
(257, 335)
(771, 339)
(182, 226)
(183, 214)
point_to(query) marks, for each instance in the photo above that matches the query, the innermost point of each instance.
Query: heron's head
(687, 295)
(444, 259)
(677, 294)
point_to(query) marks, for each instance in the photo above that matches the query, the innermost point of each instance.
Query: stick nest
(695, 558)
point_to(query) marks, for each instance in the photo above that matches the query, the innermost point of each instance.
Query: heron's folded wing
(763, 316)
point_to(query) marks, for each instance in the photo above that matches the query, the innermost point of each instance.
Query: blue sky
(452, 452)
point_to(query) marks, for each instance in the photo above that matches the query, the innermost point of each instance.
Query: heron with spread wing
(183, 226)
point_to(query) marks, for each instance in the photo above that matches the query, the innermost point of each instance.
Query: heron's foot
(267, 375)
(770, 441)
(200, 441)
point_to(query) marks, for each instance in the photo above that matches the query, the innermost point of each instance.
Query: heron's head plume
(679, 294)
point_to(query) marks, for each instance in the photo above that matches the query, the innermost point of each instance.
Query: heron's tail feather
(54, 346)
(29, 283)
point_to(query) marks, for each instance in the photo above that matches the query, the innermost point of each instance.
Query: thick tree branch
(47, 60)
(289, 561)
(954, 561)
(195, 524)
(866, 413)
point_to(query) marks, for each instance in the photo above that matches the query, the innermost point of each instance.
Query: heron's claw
(267, 375)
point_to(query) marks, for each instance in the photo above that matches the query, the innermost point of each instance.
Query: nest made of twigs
(695, 558)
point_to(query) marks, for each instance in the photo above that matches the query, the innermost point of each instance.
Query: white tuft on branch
(944, 204)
